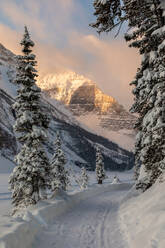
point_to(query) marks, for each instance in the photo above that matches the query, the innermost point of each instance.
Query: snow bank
(142, 218)
(24, 230)
(21, 235)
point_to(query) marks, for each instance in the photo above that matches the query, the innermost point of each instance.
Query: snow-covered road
(93, 223)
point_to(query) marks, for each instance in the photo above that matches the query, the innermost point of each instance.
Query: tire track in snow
(100, 231)
(92, 223)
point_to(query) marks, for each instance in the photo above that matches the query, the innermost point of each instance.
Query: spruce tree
(83, 179)
(31, 173)
(116, 180)
(146, 33)
(100, 173)
(153, 126)
(59, 175)
(145, 92)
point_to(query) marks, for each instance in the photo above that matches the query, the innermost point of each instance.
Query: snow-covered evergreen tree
(143, 38)
(153, 126)
(83, 179)
(59, 174)
(146, 32)
(116, 180)
(30, 175)
(100, 173)
(146, 91)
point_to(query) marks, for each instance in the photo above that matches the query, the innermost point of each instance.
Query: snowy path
(92, 223)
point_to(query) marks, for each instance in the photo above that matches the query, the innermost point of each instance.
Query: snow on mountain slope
(91, 107)
(8, 143)
(7, 70)
(124, 137)
(78, 143)
(60, 110)
(5, 83)
(62, 85)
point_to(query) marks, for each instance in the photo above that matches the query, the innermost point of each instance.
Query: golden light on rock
(74, 89)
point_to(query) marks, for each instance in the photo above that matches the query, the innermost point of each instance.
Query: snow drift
(142, 217)
(26, 228)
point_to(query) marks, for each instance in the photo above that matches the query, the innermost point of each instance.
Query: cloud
(111, 64)
(20, 14)
(10, 38)
(50, 58)
(64, 41)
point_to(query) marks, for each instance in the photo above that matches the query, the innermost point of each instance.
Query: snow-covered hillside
(79, 144)
(7, 70)
(8, 143)
(124, 137)
(91, 107)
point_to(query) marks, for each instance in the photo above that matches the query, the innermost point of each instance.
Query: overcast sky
(64, 40)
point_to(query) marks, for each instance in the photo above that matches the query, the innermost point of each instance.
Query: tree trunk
(100, 181)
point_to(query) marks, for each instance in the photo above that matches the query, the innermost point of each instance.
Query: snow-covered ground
(92, 223)
(79, 219)
(5, 195)
(108, 215)
(142, 218)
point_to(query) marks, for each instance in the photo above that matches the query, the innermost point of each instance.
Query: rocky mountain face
(79, 144)
(88, 102)
(79, 93)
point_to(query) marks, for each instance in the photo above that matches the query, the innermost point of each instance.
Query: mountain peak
(99, 112)
(74, 89)
(68, 79)
(61, 86)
